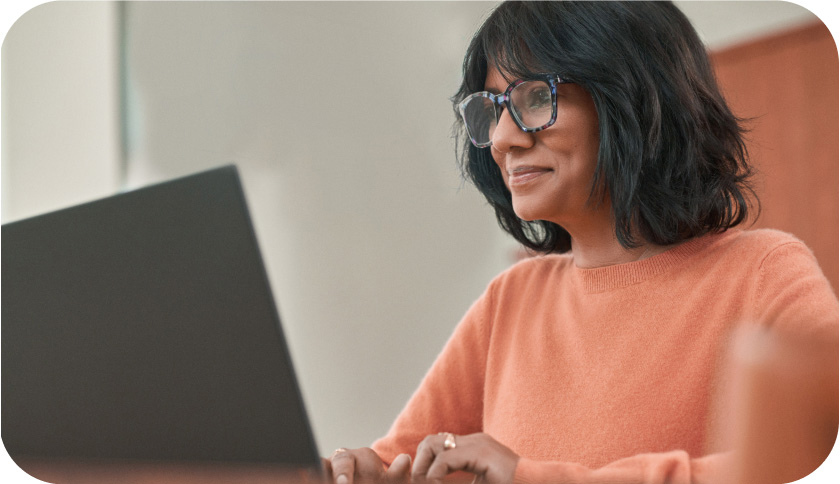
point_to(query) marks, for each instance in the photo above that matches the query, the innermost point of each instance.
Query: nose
(509, 136)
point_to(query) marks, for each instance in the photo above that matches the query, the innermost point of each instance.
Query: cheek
(500, 164)
(593, 134)
(583, 145)
(594, 139)
(588, 148)
(593, 147)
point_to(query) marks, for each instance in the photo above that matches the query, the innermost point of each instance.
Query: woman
(598, 134)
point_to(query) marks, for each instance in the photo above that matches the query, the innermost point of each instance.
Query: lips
(522, 175)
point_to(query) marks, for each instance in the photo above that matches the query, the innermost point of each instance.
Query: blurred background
(337, 115)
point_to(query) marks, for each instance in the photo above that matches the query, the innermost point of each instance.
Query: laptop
(140, 330)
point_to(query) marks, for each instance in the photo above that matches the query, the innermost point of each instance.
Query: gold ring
(449, 441)
(338, 451)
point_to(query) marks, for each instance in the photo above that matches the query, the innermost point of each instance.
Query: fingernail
(342, 479)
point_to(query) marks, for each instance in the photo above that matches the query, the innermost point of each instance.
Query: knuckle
(342, 457)
(367, 452)
(424, 445)
(370, 471)
(343, 463)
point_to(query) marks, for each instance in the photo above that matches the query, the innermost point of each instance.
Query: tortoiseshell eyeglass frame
(503, 100)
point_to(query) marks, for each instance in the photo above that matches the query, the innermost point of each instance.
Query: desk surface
(163, 473)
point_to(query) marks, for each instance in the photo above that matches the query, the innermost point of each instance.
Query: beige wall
(60, 112)
(338, 118)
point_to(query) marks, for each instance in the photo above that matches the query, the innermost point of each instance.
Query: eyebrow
(493, 90)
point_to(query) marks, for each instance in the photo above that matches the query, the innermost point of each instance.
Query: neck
(589, 254)
(601, 248)
(594, 243)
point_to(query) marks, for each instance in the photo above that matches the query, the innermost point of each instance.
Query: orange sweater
(606, 374)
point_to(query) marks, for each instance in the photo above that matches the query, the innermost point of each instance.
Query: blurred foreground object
(128, 472)
(784, 397)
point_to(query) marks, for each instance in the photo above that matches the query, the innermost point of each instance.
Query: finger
(368, 466)
(448, 462)
(400, 470)
(426, 452)
(326, 466)
(343, 467)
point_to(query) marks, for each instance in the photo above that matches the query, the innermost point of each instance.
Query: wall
(723, 24)
(60, 108)
(786, 85)
(337, 115)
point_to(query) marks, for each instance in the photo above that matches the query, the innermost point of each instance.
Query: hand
(479, 454)
(364, 466)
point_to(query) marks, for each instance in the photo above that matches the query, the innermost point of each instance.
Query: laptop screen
(142, 327)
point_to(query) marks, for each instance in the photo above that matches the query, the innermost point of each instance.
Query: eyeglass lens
(529, 101)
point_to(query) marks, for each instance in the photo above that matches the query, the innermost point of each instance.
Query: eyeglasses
(532, 104)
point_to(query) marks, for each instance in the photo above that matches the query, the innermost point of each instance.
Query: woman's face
(549, 173)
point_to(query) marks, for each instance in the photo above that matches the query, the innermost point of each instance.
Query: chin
(528, 213)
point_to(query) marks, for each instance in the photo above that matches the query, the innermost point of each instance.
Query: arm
(449, 399)
(450, 396)
(494, 463)
(792, 294)
(669, 467)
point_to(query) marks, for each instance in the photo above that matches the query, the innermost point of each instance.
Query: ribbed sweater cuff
(533, 472)
(523, 472)
(536, 472)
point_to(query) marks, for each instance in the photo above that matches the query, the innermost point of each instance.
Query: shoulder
(764, 239)
(756, 255)
(534, 270)
(779, 255)
(790, 290)
(755, 246)
(531, 282)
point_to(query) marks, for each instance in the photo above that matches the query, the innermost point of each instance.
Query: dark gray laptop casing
(142, 327)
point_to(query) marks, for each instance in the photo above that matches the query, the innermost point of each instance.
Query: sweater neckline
(601, 279)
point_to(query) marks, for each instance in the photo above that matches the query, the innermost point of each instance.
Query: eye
(539, 98)
(533, 95)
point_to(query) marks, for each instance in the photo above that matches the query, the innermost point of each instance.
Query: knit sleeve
(670, 467)
(450, 396)
(793, 294)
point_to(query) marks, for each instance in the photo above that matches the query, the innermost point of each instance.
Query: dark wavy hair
(671, 157)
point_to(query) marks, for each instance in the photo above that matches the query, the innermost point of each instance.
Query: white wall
(722, 24)
(338, 118)
(60, 108)
(337, 115)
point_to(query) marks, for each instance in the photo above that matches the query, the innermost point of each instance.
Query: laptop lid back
(142, 327)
